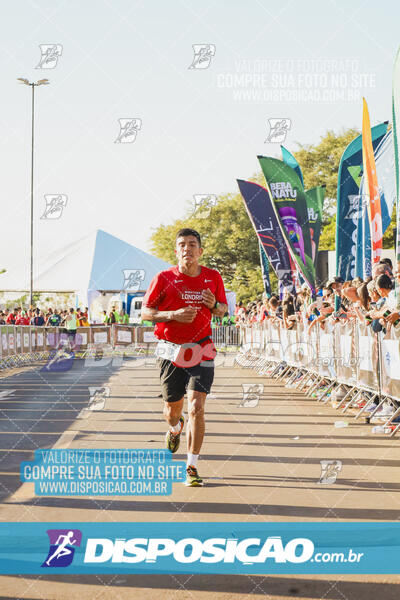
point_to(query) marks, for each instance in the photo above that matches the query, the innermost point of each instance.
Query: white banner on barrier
(26, 339)
(345, 348)
(124, 336)
(18, 340)
(326, 345)
(284, 341)
(11, 341)
(4, 341)
(40, 339)
(50, 339)
(257, 336)
(148, 337)
(82, 339)
(391, 358)
(365, 348)
(100, 337)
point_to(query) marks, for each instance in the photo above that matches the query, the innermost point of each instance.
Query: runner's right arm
(183, 315)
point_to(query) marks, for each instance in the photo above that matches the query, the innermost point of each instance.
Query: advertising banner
(289, 200)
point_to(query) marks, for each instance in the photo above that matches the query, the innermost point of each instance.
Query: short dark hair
(384, 282)
(187, 231)
(386, 261)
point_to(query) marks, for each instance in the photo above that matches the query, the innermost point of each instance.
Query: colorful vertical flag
(289, 200)
(371, 187)
(347, 207)
(290, 160)
(315, 207)
(396, 141)
(386, 173)
(260, 209)
(264, 269)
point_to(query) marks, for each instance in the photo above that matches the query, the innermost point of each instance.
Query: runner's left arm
(210, 299)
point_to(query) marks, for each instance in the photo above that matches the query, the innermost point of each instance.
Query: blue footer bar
(220, 548)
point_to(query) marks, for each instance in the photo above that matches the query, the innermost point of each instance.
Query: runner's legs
(196, 425)
(173, 411)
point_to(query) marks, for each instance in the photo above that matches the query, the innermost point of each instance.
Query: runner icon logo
(50, 54)
(330, 469)
(62, 547)
(251, 394)
(203, 203)
(278, 130)
(128, 129)
(132, 279)
(55, 203)
(203, 54)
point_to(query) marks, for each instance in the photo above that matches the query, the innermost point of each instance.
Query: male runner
(181, 301)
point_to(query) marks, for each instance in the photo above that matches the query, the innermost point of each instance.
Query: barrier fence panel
(145, 340)
(366, 342)
(40, 338)
(346, 354)
(390, 363)
(32, 333)
(312, 340)
(327, 351)
(273, 346)
(226, 336)
(18, 339)
(82, 338)
(123, 335)
(51, 338)
(11, 340)
(26, 339)
(4, 340)
(100, 335)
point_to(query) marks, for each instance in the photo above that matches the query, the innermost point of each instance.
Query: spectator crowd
(371, 301)
(70, 319)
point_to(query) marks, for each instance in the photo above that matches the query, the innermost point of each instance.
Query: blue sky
(201, 128)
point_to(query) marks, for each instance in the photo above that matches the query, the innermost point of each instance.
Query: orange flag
(371, 187)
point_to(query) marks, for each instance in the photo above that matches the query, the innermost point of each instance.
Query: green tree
(229, 241)
(320, 163)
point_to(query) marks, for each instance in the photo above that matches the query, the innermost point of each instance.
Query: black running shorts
(176, 380)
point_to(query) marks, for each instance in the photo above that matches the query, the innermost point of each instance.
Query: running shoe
(193, 479)
(173, 439)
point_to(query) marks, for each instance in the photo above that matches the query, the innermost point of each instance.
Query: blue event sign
(214, 548)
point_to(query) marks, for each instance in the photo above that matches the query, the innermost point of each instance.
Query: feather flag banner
(371, 187)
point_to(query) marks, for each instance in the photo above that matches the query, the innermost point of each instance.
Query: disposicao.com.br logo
(62, 547)
(247, 551)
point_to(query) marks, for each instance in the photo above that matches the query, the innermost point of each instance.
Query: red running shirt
(171, 290)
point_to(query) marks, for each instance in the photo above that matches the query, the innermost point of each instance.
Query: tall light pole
(33, 85)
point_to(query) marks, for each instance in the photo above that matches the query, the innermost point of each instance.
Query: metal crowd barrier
(360, 367)
(21, 345)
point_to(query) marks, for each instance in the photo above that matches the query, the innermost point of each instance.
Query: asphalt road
(260, 461)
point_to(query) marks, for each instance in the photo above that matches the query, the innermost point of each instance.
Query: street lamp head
(27, 82)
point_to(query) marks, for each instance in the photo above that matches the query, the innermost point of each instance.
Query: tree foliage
(229, 241)
(320, 163)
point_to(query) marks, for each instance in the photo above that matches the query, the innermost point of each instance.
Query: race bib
(167, 350)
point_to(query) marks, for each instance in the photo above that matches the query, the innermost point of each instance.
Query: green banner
(290, 205)
(315, 205)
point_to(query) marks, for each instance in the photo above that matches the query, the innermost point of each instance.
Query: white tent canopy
(99, 261)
